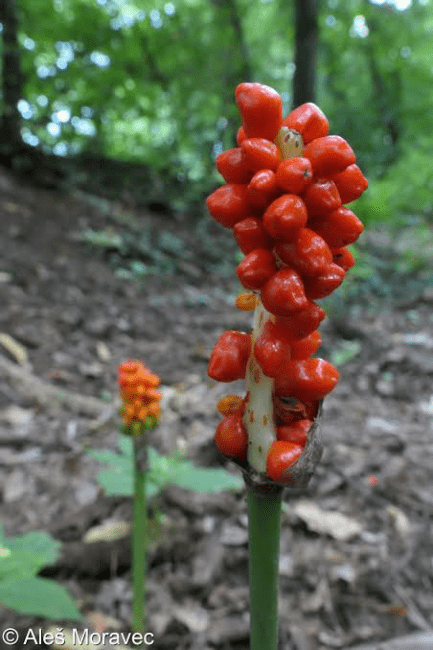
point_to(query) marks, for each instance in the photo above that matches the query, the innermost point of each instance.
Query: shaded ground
(72, 321)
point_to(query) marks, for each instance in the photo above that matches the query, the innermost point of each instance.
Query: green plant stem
(264, 524)
(139, 543)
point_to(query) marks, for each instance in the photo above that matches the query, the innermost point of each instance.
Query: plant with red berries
(287, 183)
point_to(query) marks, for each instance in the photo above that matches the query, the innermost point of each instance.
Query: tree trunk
(306, 47)
(10, 123)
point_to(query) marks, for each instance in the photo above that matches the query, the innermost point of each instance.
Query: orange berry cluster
(137, 387)
(287, 181)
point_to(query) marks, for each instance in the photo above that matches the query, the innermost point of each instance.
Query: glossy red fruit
(302, 323)
(308, 253)
(228, 360)
(324, 284)
(297, 432)
(281, 456)
(320, 197)
(338, 228)
(307, 379)
(329, 155)
(259, 153)
(285, 216)
(262, 189)
(251, 234)
(231, 166)
(309, 121)
(343, 257)
(304, 348)
(261, 108)
(294, 174)
(229, 204)
(271, 349)
(231, 437)
(283, 294)
(351, 183)
(240, 136)
(256, 268)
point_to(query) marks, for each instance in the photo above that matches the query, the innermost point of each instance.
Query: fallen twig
(45, 393)
(418, 641)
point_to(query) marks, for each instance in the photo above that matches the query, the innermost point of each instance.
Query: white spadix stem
(259, 407)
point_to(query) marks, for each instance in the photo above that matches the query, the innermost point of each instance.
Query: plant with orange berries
(140, 412)
(138, 470)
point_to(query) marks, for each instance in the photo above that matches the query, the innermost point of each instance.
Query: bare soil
(67, 321)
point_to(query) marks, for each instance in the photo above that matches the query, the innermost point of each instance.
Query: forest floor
(67, 320)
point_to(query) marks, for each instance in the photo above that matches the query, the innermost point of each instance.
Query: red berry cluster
(287, 181)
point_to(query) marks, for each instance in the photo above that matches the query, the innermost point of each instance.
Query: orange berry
(246, 301)
(229, 404)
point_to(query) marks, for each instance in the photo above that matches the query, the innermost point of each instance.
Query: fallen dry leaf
(15, 349)
(108, 531)
(327, 522)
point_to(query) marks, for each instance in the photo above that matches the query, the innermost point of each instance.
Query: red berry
(343, 257)
(231, 166)
(294, 174)
(351, 183)
(285, 216)
(256, 268)
(308, 253)
(228, 360)
(302, 323)
(321, 196)
(259, 153)
(306, 379)
(229, 204)
(261, 108)
(271, 349)
(262, 189)
(329, 155)
(338, 228)
(231, 437)
(304, 348)
(283, 294)
(240, 136)
(309, 121)
(281, 456)
(324, 284)
(296, 432)
(250, 234)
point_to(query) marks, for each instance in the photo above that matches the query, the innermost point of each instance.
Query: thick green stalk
(139, 542)
(264, 524)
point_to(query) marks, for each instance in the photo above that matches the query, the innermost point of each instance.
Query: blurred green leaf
(38, 597)
(163, 471)
(345, 352)
(25, 555)
(21, 558)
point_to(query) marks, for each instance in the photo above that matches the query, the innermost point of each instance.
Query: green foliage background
(152, 81)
